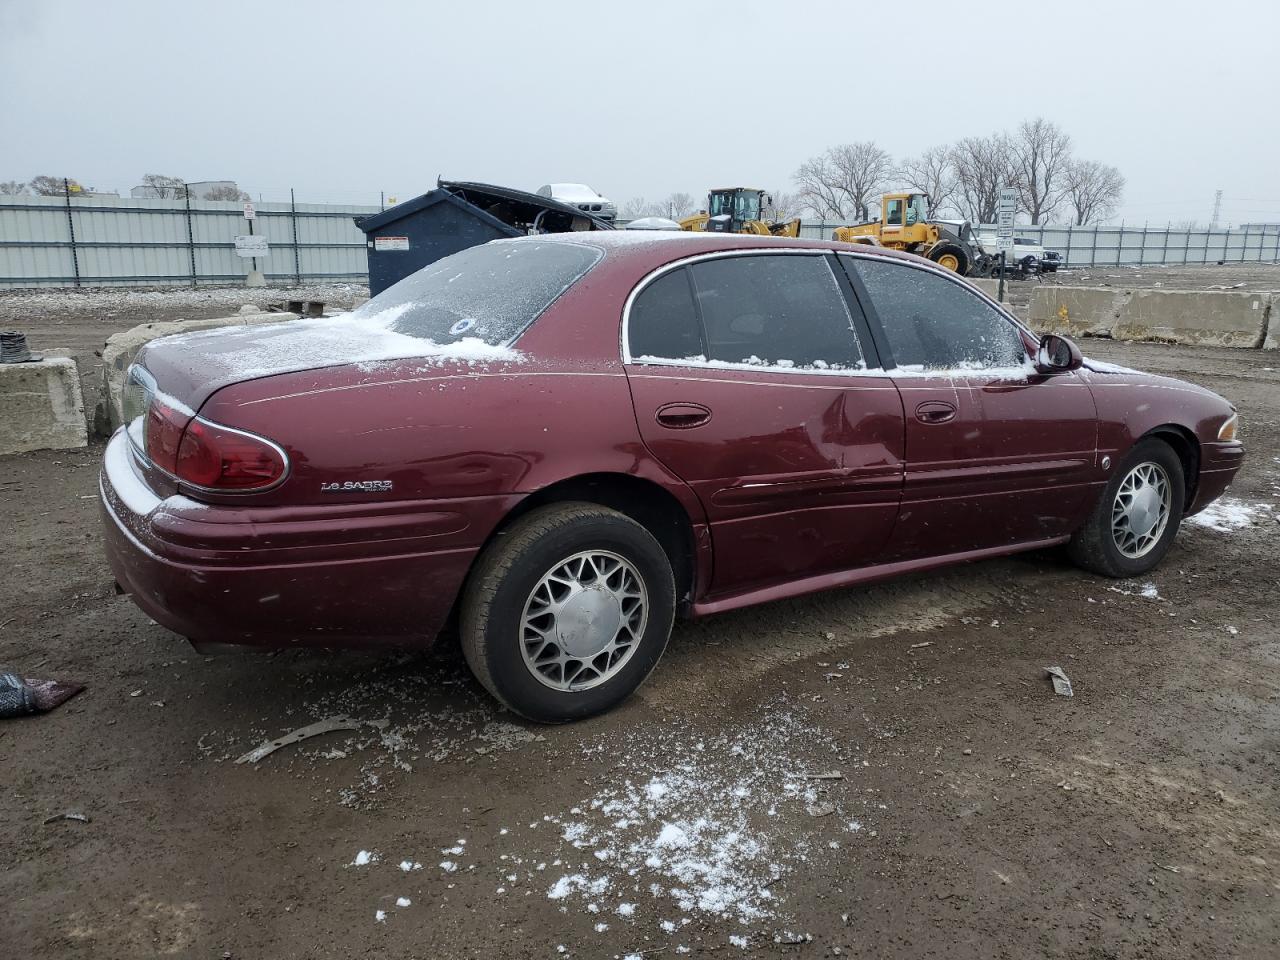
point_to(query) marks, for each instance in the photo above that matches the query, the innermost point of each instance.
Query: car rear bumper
(343, 575)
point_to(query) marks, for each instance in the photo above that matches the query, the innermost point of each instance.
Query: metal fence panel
(127, 240)
(1120, 246)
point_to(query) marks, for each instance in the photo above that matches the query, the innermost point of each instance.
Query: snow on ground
(1229, 513)
(677, 827)
(697, 825)
(110, 300)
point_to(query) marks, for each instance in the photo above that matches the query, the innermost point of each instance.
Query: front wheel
(1135, 520)
(568, 611)
(950, 256)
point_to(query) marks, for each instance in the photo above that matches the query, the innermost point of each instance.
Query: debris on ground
(21, 697)
(1061, 682)
(78, 817)
(327, 725)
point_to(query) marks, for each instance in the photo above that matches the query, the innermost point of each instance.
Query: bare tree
(47, 186)
(1093, 189)
(638, 207)
(817, 186)
(1042, 152)
(787, 206)
(845, 179)
(12, 188)
(164, 187)
(934, 173)
(679, 205)
(226, 192)
(982, 165)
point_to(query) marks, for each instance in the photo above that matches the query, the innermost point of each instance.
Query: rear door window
(663, 321)
(935, 323)
(784, 311)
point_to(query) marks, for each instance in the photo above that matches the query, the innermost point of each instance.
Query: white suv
(1026, 256)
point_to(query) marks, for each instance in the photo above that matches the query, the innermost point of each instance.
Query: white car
(581, 196)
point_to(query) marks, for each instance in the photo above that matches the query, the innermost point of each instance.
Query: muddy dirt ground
(975, 815)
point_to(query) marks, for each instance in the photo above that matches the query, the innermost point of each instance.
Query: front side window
(935, 323)
(893, 212)
(490, 292)
(782, 311)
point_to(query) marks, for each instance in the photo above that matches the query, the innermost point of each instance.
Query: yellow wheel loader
(903, 225)
(740, 210)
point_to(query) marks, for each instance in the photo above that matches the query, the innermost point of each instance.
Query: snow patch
(1229, 514)
(695, 821)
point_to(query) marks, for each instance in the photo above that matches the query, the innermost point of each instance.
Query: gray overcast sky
(343, 99)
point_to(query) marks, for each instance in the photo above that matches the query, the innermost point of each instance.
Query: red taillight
(163, 433)
(220, 458)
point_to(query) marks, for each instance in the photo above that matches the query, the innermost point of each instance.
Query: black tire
(505, 578)
(946, 248)
(1094, 546)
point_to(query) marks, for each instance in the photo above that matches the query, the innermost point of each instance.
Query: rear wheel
(1135, 520)
(568, 611)
(950, 256)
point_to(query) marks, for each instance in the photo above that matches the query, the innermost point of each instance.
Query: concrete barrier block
(1216, 318)
(121, 349)
(990, 287)
(41, 406)
(1075, 311)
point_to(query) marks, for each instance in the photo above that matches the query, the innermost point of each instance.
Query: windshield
(918, 211)
(741, 205)
(490, 292)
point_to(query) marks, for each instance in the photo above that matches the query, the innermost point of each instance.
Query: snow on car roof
(573, 191)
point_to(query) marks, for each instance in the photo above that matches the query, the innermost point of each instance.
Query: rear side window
(782, 311)
(490, 292)
(933, 323)
(663, 321)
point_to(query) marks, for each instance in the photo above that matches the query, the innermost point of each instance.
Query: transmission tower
(1217, 210)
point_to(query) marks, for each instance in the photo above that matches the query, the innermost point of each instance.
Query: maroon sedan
(565, 441)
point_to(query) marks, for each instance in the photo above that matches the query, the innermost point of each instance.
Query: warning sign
(391, 243)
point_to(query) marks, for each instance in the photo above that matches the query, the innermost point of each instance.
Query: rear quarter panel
(437, 433)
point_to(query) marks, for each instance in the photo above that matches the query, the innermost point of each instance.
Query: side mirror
(1057, 354)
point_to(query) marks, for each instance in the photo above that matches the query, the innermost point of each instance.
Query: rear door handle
(935, 411)
(682, 416)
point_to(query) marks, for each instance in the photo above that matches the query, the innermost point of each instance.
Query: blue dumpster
(454, 216)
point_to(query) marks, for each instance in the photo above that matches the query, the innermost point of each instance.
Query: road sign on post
(249, 212)
(1006, 208)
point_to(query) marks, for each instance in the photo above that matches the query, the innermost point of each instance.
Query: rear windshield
(490, 293)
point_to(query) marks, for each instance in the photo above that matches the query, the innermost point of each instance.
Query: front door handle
(682, 416)
(935, 411)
